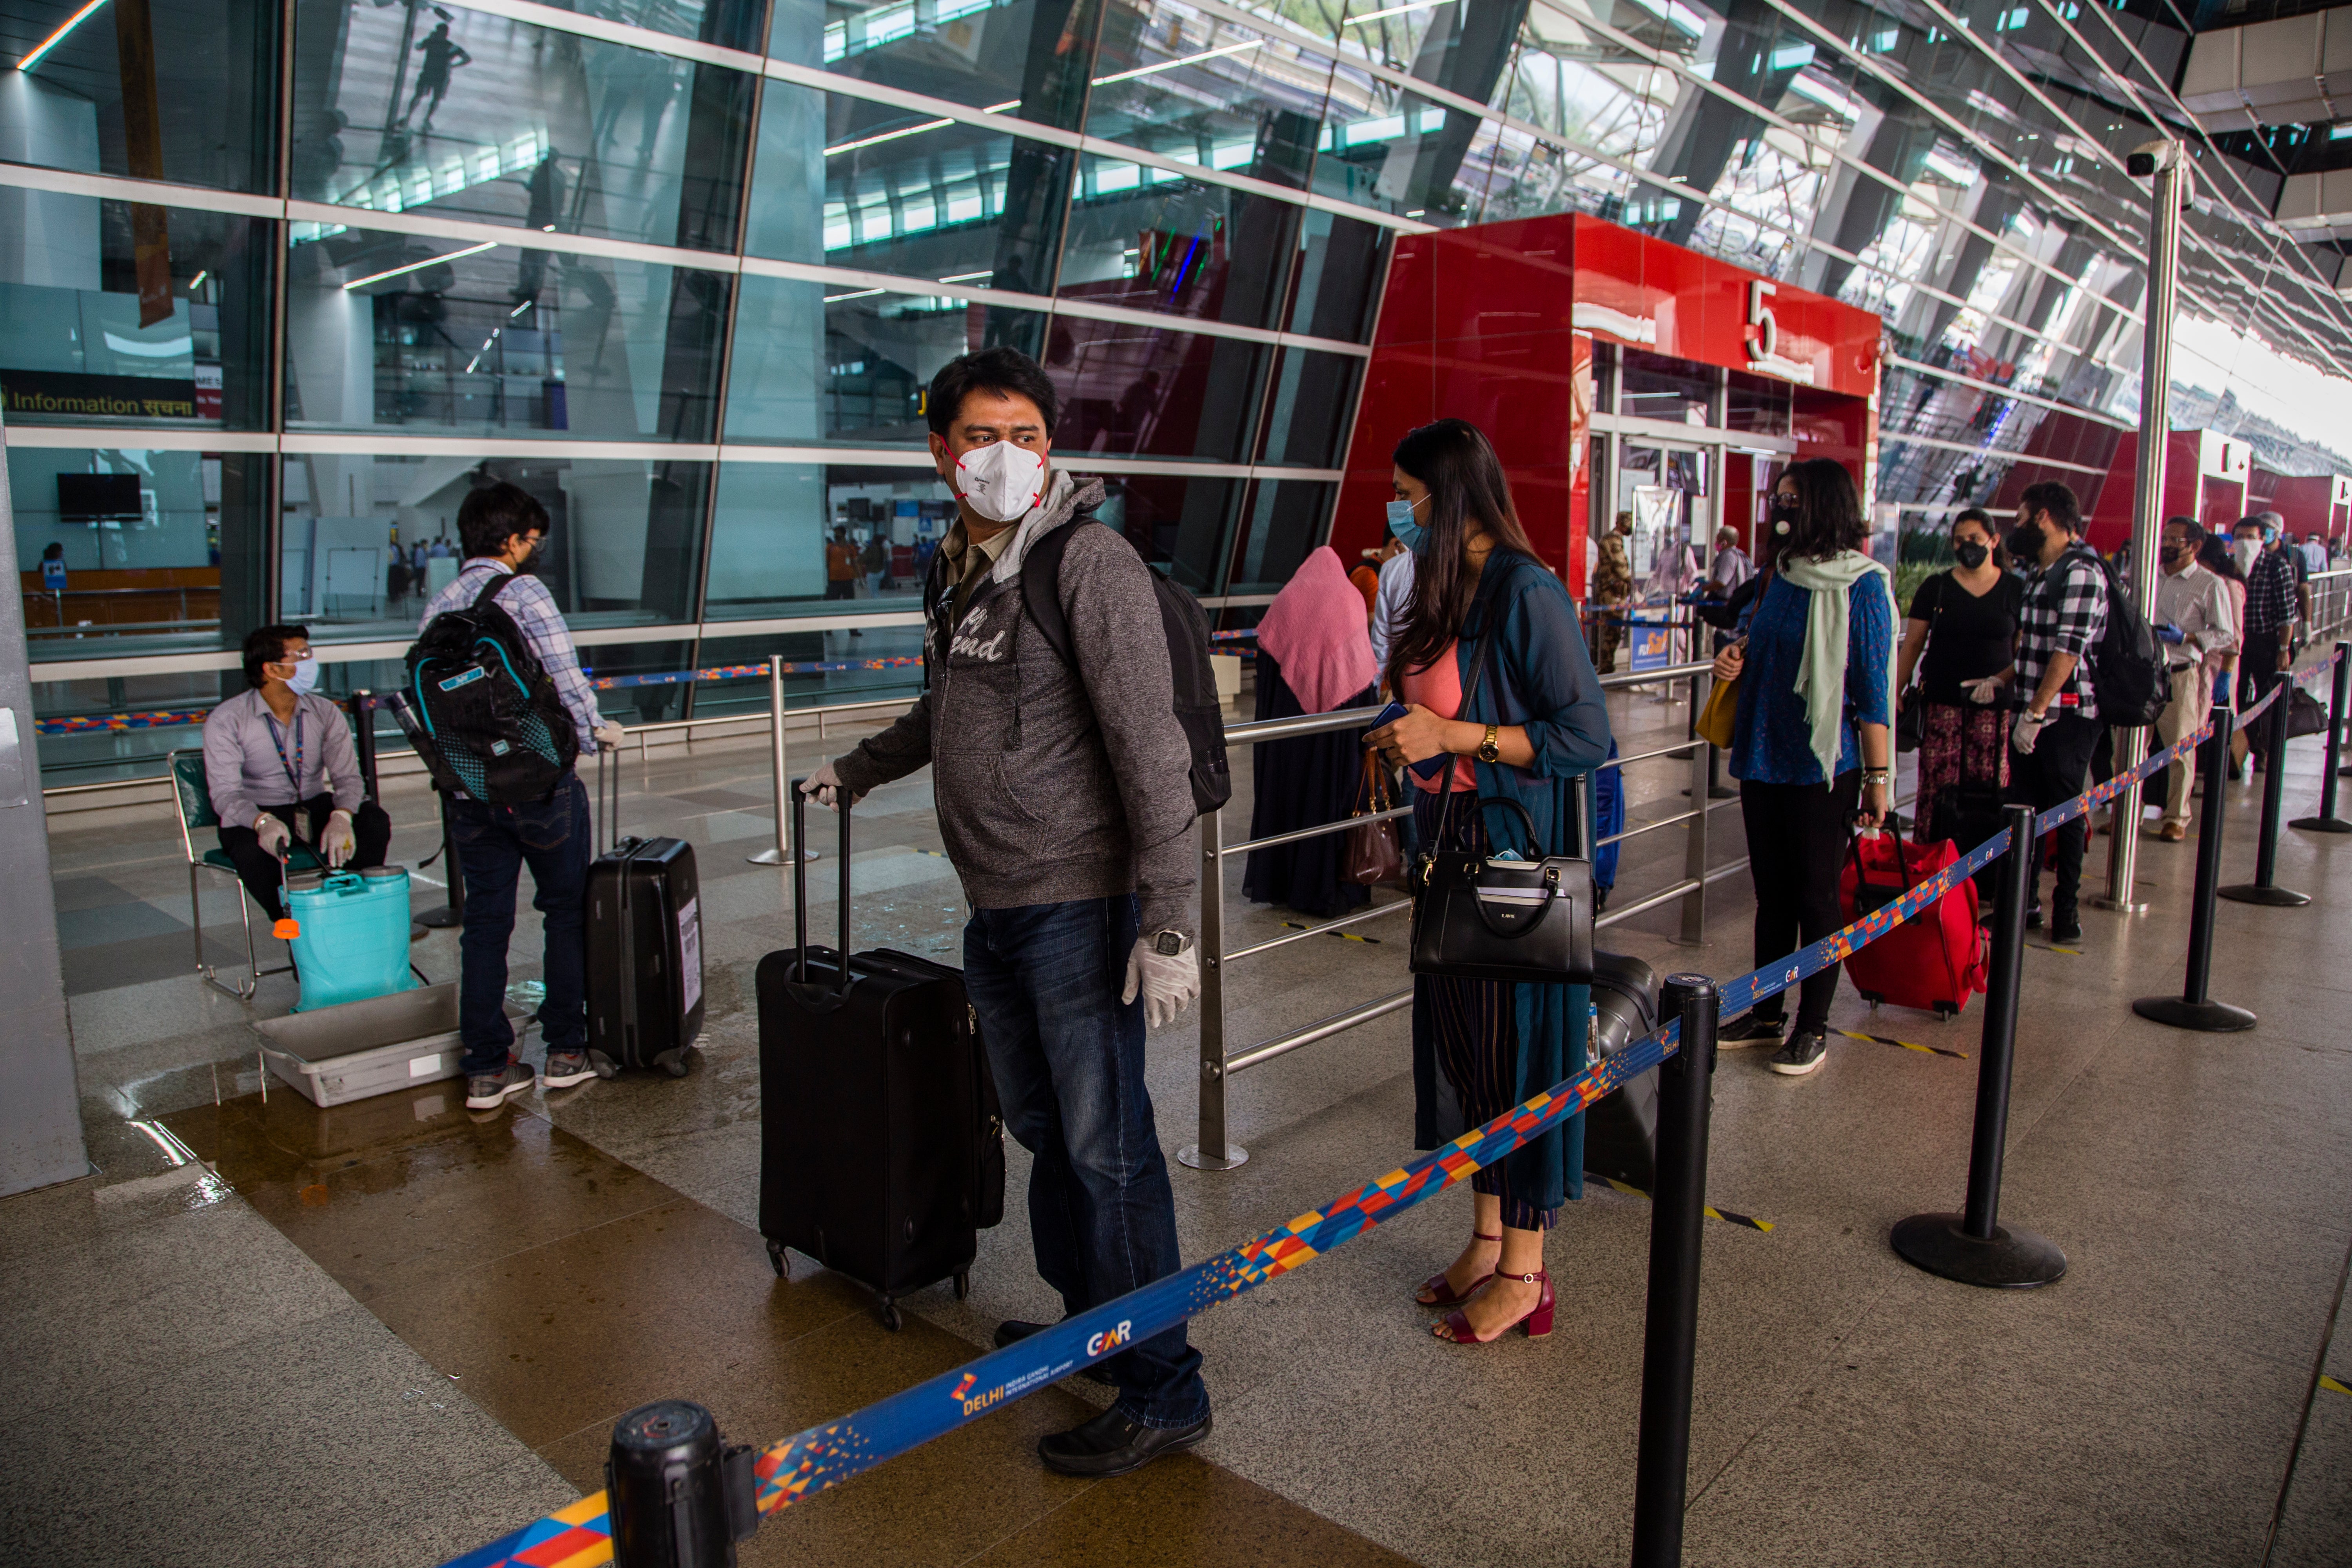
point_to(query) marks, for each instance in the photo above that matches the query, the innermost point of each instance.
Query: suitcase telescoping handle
(606, 831)
(800, 883)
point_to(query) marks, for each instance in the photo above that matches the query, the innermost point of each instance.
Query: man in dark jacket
(1065, 799)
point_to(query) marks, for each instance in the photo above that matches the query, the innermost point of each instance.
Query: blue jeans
(493, 844)
(1068, 1058)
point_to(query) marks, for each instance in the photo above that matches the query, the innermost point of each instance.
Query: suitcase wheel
(1946, 1012)
(890, 1319)
(776, 1257)
(1872, 997)
(963, 1283)
(674, 1063)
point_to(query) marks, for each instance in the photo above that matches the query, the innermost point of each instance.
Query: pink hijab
(1315, 629)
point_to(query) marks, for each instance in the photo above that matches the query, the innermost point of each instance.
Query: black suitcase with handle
(881, 1143)
(643, 909)
(1620, 1131)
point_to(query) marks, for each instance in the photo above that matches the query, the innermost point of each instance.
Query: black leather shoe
(2066, 933)
(1111, 1444)
(2033, 920)
(1012, 1330)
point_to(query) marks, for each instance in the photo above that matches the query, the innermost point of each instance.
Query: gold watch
(1487, 750)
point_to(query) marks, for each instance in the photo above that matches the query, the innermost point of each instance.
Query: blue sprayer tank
(354, 943)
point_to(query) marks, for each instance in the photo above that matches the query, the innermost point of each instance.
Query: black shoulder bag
(1519, 921)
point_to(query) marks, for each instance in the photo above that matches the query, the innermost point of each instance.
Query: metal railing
(1216, 1151)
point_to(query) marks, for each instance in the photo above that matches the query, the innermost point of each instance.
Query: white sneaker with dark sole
(1806, 1050)
(565, 1068)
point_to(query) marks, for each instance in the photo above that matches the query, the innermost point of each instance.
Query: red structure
(1496, 323)
(2318, 503)
(2205, 476)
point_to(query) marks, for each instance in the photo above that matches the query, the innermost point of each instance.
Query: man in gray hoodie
(1065, 799)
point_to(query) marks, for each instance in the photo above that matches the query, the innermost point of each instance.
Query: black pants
(841, 588)
(1797, 837)
(258, 869)
(2053, 772)
(2258, 671)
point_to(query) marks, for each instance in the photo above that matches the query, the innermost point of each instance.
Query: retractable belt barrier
(829, 1454)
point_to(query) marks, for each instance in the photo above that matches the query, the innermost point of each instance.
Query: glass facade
(683, 270)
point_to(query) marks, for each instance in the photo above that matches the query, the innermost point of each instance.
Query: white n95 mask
(1001, 481)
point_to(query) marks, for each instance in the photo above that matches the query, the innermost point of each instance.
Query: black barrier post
(1974, 1247)
(2265, 887)
(453, 912)
(2192, 1009)
(2339, 690)
(363, 740)
(1662, 1466)
(677, 1496)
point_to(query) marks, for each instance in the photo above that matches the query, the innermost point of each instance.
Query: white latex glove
(824, 788)
(274, 834)
(1169, 984)
(608, 732)
(1986, 691)
(338, 841)
(2027, 729)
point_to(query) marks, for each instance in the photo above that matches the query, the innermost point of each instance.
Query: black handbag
(1519, 921)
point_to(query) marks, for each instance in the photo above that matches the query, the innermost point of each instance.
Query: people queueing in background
(1812, 745)
(1389, 605)
(281, 770)
(2273, 603)
(1730, 567)
(1963, 620)
(2196, 617)
(2315, 551)
(1065, 802)
(841, 568)
(1367, 573)
(1534, 721)
(2057, 724)
(877, 563)
(1314, 655)
(1611, 595)
(2218, 555)
(503, 528)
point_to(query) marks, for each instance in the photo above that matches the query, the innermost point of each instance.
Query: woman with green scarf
(1810, 742)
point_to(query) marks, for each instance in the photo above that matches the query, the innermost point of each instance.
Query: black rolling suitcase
(1620, 1131)
(881, 1143)
(644, 915)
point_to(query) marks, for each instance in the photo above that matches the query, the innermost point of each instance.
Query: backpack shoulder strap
(1041, 590)
(492, 589)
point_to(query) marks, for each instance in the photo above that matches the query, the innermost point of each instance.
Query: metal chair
(197, 811)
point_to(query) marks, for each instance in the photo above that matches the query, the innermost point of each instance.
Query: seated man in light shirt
(281, 767)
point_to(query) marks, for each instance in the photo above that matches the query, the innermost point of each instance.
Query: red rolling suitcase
(1933, 960)
(881, 1141)
(643, 918)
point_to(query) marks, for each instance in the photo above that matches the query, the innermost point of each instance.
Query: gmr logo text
(1099, 1344)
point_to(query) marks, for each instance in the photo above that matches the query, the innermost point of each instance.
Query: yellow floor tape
(1630, 1189)
(1890, 1040)
(2329, 1383)
(1347, 935)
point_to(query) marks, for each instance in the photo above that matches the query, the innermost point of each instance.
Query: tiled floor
(380, 1333)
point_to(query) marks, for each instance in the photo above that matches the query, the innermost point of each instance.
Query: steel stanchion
(678, 1496)
(780, 852)
(1974, 1247)
(1662, 1463)
(1213, 1150)
(2192, 1009)
(2339, 690)
(2265, 887)
(452, 913)
(363, 740)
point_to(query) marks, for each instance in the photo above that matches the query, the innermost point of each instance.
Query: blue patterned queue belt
(829, 1454)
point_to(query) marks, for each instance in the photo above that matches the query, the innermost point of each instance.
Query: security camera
(2141, 162)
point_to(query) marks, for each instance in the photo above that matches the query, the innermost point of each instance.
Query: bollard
(780, 852)
(676, 1495)
(1662, 1463)
(363, 741)
(2339, 690)
(452, 913)
(2265, 887)
(2193, 1009)
(1973, 1246)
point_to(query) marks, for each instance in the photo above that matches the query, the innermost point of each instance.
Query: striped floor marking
(2328, 1382)
(1726, 1215)
(1343, 935)
(1890, 1040)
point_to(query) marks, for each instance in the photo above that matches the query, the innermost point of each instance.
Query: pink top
(1439, 689)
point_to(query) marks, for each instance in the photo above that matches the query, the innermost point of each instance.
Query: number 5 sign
(1764, 340)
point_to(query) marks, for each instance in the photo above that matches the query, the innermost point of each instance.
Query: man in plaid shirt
(2273, 602)
(502, 528)
(2057, 726)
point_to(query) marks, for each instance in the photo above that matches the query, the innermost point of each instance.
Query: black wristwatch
(1171, 943)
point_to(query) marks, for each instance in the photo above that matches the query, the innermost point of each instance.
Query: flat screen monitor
(86, 498)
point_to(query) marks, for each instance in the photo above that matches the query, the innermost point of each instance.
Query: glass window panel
(1340, 265)
(1180, 525)
(775, 520)
(1151, 392)
(822, 668)
(879, 351)
(1150, 240)
(392, 330)
(368, 539)
(200, 104)
(1756, 404)
(486, 118)
(1287, 519)
(1652, 386)
(1306, 418)
(1202, 89)
(1026, 58)
(851, 184)
(96, 329)
(142, 537)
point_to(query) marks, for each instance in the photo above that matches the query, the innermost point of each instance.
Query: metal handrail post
(780, 852)
(1694, 847)
(1214, 1152)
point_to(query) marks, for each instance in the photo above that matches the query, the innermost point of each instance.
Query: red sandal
(1537, 1319)
(1437, 1292)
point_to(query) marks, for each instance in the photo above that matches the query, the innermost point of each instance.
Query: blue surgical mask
(305, 677)
(1409, 533)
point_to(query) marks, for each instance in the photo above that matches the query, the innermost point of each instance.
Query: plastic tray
(384, 1044)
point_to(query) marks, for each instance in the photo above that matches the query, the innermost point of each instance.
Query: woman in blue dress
(1809, 744)
(1524, 732)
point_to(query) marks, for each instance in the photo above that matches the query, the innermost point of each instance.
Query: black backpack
(1197, 708)
(487, 717)
(2128, 674)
